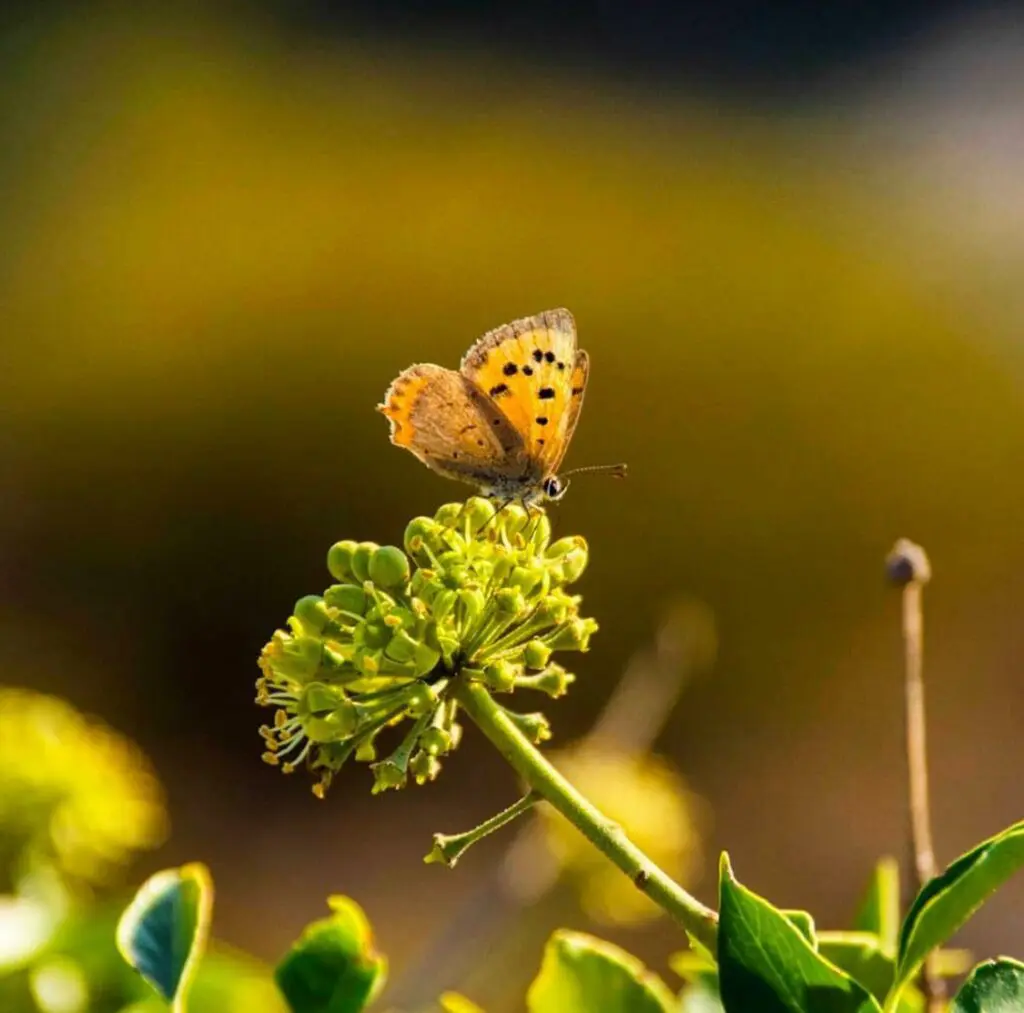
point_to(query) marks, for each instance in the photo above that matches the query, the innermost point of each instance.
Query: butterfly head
(554, 488)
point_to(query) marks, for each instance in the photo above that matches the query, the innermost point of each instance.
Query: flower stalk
(699, 921)
(449, 848)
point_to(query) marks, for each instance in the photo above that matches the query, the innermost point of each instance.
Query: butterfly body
(504, 420)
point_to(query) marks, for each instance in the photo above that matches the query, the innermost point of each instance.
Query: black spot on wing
(538, 355)
(510, 369)
(550, 356)
(527, 371)
(541, 420)
(498, 389)
(577, 391)
(546, 393)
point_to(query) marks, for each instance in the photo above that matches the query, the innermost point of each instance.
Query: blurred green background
(224, 229)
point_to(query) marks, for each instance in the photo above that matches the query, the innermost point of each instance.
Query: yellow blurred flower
(72, 791)
(649, 799)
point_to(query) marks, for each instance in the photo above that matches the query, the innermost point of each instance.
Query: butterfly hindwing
(451, 426)
(533, 372)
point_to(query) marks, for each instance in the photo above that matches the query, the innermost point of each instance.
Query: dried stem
(908, 565)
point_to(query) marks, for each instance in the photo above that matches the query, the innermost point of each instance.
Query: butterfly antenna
(616, 470)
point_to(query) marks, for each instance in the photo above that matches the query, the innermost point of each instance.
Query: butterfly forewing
(446, 420)
(533, 372)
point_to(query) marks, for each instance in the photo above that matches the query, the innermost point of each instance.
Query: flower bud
(334, 727)
(387, 774)
(319, 698)
(573, 558)
(455, 576)
(448, 514)
(501, 675)
(573, 635)
(361, 557)
(540, 531)
(420, 534)
(424, 767)
(534, 726)
(339, 560)
(422, 700)
(525, 579)
(436, 741)
(513, 519)
(562, 546)
(510, 601)
(327, 714)
(554, 681)
(348, 598)
(372, 633)
(536, 654)
(504, 564)
(367, 660)
(312, 613)
(295, 657)
(473, 603)
(554, 608)
(478, 512)
(443, 604)
(389, 567)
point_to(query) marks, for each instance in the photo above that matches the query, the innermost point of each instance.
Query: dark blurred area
(791, 238)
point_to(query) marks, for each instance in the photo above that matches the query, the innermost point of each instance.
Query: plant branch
(608, 837)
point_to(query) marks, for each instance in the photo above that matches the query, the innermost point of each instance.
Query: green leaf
(804, 924)
(333, 968)
(692, 966)
(996, 986)
(862, 956)
(581, 974)
(948, 900)
(163, 931)
(880, 910)
(766, 964)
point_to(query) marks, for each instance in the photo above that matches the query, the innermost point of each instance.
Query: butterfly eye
(553, 487)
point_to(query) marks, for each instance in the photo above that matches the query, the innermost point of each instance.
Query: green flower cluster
(478, 594)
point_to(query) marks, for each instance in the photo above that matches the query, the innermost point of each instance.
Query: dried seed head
(907, 563)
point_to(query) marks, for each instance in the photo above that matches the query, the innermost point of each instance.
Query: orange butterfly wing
(451, 426)
(534, 373)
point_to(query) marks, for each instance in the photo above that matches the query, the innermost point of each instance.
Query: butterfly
(504, 421)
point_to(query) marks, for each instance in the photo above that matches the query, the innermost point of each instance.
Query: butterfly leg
(493, 519)
(532, 517)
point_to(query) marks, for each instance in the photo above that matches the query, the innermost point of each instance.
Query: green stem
(449, 848)
(608, 837)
